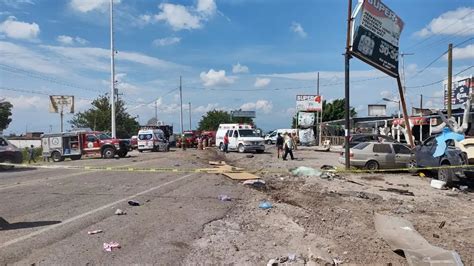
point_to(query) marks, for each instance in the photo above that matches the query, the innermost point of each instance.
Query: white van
(242, 138)
(271, 137)
(152, 140)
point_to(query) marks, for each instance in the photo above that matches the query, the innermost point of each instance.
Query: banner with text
(309, 103)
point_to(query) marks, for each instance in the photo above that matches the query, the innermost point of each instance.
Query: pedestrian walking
(294, 138)
(226, 144)
(288, 147)
(31, 154)
(279, 144)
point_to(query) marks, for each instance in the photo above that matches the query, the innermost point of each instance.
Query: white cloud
(291, 111)
(463, 53)
(181, 17)
(333, 75)
(18, 29)
(215, 78)
(454, 22)
(68, 40)
(298, 29)
(206, 108)
(124, 86)
(236, 69)
(262, 82)
(90, 5)
(27, 102)
(262, 105)
(166, 41)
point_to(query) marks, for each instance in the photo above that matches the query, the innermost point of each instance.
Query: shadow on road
(18, 169)
(5, 225)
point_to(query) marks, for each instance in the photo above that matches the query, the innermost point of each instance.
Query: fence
(335, 140)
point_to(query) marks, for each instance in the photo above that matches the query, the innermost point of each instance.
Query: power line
(34, 92)
(439, 81)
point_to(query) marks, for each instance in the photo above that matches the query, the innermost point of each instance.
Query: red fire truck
(73, 145)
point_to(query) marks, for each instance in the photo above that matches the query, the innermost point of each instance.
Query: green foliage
(336, 110)
(98, 118)
(5, 113)
(293, 122)
(212, 119)
(38, 153)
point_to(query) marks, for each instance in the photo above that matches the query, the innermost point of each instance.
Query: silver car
(374, 155)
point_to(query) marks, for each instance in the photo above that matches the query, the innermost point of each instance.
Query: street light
(399, 116)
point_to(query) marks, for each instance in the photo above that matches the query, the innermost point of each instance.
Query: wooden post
(405, 113)
(450, 77)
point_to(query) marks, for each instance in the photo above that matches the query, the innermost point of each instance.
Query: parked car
(9, 153)
(360, 138)
(467, 146)
(452, 157)
(374, 155)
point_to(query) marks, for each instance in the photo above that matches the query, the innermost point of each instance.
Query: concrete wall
(23, 143)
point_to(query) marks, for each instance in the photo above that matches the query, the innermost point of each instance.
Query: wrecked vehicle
(373, 156)
(452, 157)
(361, 138)
(9, 154)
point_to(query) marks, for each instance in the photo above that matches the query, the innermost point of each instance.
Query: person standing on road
(226, 144)
(294, 138)
(279, 144)
(31, 154)
(288, 147)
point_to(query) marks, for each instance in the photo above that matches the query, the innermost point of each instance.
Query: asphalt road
(45, 214)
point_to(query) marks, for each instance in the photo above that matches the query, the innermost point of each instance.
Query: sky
(231, 54)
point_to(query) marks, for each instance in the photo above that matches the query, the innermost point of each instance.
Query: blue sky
(248, 54)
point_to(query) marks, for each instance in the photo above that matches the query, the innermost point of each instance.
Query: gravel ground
(322, 220)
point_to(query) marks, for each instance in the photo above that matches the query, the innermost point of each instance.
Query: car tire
(372, 165)
(241, 148)
(108, 153)
(269, 142)
(76, 157)
(445, 174)
(221, 146)
(56, 156)
(412, 166)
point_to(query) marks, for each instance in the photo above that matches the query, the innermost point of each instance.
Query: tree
(5, 113)
(212, 119)
(336, 110)
(98, 118)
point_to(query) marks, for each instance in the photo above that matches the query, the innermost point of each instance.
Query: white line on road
(70, 220)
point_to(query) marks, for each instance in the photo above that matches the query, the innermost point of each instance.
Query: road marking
(70, 220)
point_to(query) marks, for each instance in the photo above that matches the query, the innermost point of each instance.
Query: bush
(38, 154)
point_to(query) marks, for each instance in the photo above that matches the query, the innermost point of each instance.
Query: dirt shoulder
(319, 220)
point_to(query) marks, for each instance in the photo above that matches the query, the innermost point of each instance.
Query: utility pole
(347, 57)
(318, 124)
(421, 103)
(190, 124)
(450, 77)
(181, 104)
(156, 111)
(403, 70)
(112, 69)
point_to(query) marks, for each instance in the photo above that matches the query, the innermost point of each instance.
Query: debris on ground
(463, 188)
(442, 224)
(120, 212)
(249, 156)
(306, 171)
(373, 178)
(327, 167)
(265, 205)
(111, 246)
(133, 203)
(94, 232)
(438, 184)
(257, 183)
(224, 198)
(399, 191)
(401, 235)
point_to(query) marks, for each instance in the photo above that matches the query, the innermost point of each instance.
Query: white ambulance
(152, 140)
(242, 138)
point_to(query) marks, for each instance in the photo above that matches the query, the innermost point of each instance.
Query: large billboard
(240, 113)
(61, 103)
(309, 103)
(376, 34)
(460, 91)
(377, 110)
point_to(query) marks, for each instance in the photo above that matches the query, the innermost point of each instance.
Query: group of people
(286, 143)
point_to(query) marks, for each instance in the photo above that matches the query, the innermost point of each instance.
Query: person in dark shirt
(279, 144)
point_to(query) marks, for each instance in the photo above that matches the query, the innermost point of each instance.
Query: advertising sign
(306, 136)
(250, 114)
(376, 35)
(309, 103)
(306, 119)
(61, 103)
(377, 110)
(460, 92)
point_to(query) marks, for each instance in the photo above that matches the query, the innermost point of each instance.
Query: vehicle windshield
(145, 136)
(188, 135)
(248, 133)
(103, 136)
(361, 146)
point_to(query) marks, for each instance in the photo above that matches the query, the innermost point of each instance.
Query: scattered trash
(373, 178)
(94, 232)
(120, 212)
(463, 188)
(438, 184)
(416, 249)
(272, 262)
(224, 198)
(399, 191)
(111, 245)
(422, 174)
(328, 167)
(442, 224)
(291, 257)
(435, 235)
(354, 182)
(403, 185)
(250, 156)
(133, 203)
(306, 171)
(283, 259)
(255, 183)
(265, 205)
